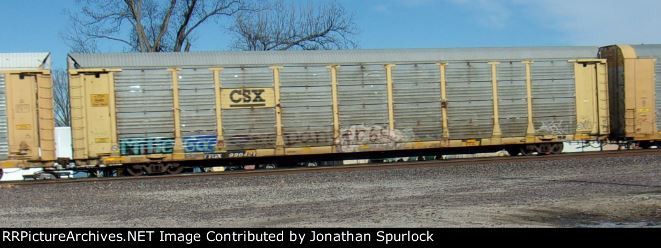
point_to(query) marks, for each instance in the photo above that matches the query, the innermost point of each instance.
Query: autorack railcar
(26, 110)
(634, 76)
(157, 111)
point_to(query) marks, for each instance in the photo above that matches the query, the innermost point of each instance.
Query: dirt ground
(605, 192)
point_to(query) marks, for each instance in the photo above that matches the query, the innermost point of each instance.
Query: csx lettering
(247, 96)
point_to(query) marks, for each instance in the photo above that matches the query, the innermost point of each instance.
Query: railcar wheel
(557, 148)
(545, 149)
(135, 170)
(174, 169)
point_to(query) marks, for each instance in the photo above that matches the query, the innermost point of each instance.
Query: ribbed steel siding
(4, 142)
(197, 102)
(554, 97)
(512, 98)
(248, 127)
(144, 110)
(470, 100)
(363, 99)
(658, 94)
(417, 94)
(306, 106)
(344, 57)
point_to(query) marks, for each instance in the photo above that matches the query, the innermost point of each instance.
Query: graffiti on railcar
(158, 145)
(309, 137)
(374, 137)
(200, 143)
(584, 124)
(145, 146)
(554, 127)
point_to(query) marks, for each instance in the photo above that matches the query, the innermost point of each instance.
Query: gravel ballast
(601, 192)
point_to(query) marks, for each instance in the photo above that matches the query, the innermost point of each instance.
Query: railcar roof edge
(23, 61)
(242, 58)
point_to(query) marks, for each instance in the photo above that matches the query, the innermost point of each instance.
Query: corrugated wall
(306, 106)
(248, 127)
(417, 100)
(196, 101)
(512, 99)
(145, 121)
(4, 143)
(554, 97)
(470, 100)
(363, 107)
(198, 109)
(658, 95)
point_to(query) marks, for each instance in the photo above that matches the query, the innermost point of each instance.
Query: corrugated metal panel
(145, 121)
(470, 100)
(202, 59)
(658, 95)
(653, 51)
(197, 102)
(363, 101)
(19, 61)
(4, 142)
(512, 99)
(417, 94)
(251, 127)
(306, 106)
(554, 97)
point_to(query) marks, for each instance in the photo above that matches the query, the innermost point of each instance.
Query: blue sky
(37, 25)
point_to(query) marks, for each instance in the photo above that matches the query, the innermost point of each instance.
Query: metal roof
(648, 50)
(209, 59)
(24, 61)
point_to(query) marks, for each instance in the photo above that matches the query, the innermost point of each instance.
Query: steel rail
(357, 167)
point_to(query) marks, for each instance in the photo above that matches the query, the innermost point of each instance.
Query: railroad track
(344, 168)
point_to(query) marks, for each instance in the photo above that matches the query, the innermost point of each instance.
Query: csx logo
(247, 98)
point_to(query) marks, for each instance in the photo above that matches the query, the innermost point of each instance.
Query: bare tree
(294, 26)
(145, 25)
(61, 98)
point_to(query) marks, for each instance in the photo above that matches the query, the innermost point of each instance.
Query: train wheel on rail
(135, 170)
(174, 168)
(545, 149)
(557, 148)
(528, 150)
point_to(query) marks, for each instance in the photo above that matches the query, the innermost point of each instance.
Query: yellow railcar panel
(247, 98)
(591, 107)
(22, 116)
(96, 106)
(46, 117)
(640, 114)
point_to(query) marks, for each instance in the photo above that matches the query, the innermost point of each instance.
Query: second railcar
(26, 111)
(154, 110)
(635, 93)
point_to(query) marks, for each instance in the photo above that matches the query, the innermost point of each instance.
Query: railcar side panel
(512, 99)
(247, 126)
(554, 100)
(145, 116)
(306, 106)
(417, 101)
(4, 134)
(470, 100)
